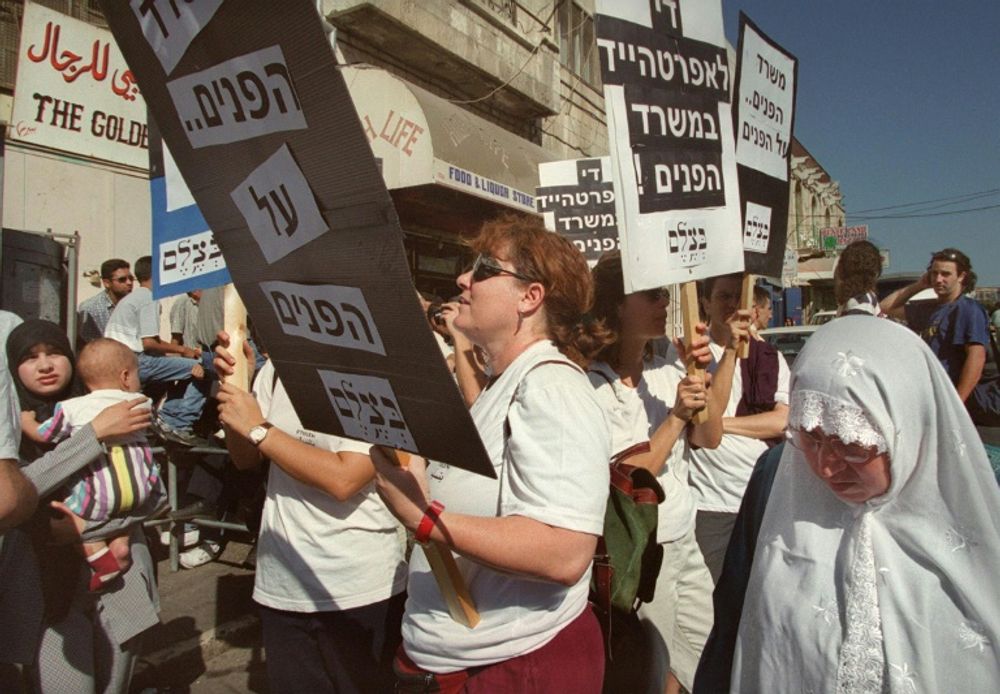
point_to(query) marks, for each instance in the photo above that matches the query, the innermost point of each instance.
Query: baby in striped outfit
(124, 482)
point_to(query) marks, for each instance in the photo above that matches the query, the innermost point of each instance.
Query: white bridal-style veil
(897, 594)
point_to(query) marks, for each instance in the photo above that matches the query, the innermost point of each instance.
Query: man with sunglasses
(954, 326)
(93, 314)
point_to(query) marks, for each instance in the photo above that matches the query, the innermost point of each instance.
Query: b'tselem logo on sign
(279, 206)
(367, 408)
(757, 228)
(687, 245)
(191, 256)
(240, 99)
(327, 314)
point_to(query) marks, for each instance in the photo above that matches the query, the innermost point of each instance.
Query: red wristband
(427, 523)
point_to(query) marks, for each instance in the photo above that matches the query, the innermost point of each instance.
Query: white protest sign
(667, 82)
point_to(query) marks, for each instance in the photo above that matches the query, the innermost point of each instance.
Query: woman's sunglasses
(487, 266)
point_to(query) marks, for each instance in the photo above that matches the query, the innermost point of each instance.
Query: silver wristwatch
(258, 433)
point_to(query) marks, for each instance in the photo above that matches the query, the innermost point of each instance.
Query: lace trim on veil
(811, 409)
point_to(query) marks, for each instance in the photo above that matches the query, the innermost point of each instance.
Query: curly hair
(558, 266)
(858, 270)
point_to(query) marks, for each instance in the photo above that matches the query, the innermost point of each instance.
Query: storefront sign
(469, 182)
(74, 91)
(836, 238)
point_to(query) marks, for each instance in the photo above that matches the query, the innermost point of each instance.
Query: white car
(790, 339)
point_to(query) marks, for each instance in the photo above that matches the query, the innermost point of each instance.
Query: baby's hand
(29, 426)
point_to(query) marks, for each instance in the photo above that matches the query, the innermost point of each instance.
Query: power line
(920, 215)
(949, 200)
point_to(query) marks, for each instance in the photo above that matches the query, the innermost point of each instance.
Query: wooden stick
(450, 581)
(689, 316)
(235, 323)
(746, 303)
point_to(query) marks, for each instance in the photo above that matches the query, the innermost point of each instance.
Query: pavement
(208, 641)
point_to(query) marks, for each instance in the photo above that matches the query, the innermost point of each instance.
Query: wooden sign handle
(689, 315)
(450, 581)
(746, 303)
(235, 323)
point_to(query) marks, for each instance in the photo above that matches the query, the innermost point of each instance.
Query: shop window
(577, 44)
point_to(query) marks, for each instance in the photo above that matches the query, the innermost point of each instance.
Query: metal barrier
(175, 525)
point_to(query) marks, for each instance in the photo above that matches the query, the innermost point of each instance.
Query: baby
(123, 483)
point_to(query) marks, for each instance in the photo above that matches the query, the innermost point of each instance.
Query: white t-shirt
(635, 414)
(136, 316)
(317, 554)
(719, 476)
(554, 470)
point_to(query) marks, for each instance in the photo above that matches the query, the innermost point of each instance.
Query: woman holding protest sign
(525, 541)
(650, 398)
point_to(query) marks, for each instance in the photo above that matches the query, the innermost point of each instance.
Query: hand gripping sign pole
(450, 581)
(689, 314)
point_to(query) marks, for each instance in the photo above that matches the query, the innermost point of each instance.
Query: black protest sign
(261, 125)
(666, 78)
(577, 199)
(672, 86)
(764, 118)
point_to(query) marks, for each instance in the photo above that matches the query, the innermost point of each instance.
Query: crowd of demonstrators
(954, 325)
(850, 539)
(651, 399)
(135, 323)
(64, 632)
(93, 314)
(754, 417)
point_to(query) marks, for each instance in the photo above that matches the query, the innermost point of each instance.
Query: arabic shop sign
(74, 91)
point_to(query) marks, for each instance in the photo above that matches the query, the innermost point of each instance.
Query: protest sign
(766, 76)
(185, 254)
(666, 79)
(576, 198)
(74, 91)
(260, 124)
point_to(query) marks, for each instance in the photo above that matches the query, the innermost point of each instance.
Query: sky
(899, 100)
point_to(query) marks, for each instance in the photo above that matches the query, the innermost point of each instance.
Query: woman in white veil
(877, 561)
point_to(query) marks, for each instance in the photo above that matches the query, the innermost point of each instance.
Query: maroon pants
(571, 662)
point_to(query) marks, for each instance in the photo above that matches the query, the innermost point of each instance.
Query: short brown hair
(557, 265)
